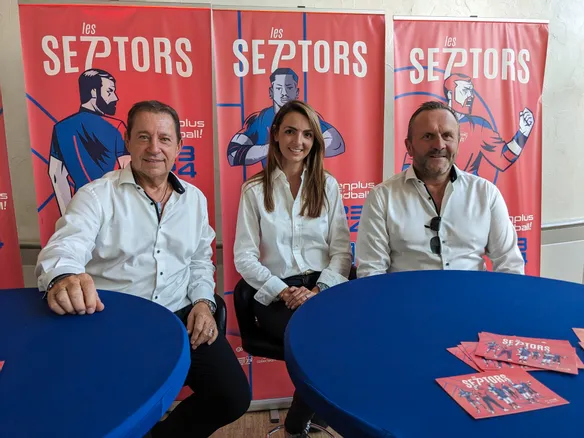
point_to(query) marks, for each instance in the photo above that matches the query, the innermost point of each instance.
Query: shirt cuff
(211, 304)
(331, 278)
(269, 292)
(45, 279)
(198, 294)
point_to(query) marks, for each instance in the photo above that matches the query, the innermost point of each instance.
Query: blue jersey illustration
(250, 144)
(525, 391)
(471, 398)
(523, 354)
(257, 130)
(502, 395)
(88, 144)
(509, 390)
(498, 392)
(490, 402)
(492, 346)
(507, 351)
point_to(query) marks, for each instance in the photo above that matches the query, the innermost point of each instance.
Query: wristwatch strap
(211, 304)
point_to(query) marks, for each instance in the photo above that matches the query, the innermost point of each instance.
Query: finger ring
(211, 332)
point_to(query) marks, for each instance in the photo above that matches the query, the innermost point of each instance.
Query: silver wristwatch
(211, 304)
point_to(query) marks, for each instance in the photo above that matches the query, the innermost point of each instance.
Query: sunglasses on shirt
(435, 244)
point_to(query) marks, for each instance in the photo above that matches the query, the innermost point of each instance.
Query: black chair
(253, 339)
(256, 342)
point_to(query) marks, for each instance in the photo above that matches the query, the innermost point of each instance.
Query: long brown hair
(313, 188)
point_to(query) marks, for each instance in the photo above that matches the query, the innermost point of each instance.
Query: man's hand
(300, 296)
(75, 295)
(201, 325)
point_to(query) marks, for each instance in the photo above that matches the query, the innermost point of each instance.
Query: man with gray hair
(433, 215)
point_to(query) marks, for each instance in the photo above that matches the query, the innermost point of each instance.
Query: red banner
(333, 61)
(85, 66)
(10, 262)
(491, 73)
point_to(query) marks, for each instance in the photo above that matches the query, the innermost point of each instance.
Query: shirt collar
(411, 173)
(127, 177)
(279, 173)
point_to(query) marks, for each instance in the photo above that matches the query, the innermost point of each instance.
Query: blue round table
(110, 374)
(365, 354)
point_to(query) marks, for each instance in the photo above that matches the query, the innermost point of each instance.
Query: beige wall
(563, 100)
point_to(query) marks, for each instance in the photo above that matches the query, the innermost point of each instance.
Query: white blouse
(272, 246)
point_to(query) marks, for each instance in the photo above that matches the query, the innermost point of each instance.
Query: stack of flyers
(547, 354)
(496, 353)
(502, 385)
(495, 393)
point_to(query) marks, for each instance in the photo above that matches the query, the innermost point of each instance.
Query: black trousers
(273, 319)
(221, 391)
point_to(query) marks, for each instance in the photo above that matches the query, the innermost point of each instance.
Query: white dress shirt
(272, 246)
(393, 235)
(111, 231)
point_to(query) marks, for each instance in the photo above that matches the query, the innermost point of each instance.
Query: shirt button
(156, 297)
(161, 273)
(158, 252)
(447, 264)
(152, 203)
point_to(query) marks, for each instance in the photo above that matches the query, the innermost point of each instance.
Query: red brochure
(490, 364)
(549, 354)
(459, 353)
(578, 360)
(495, 393)
(580, 333)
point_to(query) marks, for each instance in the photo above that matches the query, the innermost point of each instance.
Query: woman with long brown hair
(292, 238)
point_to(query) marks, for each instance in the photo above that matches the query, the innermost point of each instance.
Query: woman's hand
(299, 297)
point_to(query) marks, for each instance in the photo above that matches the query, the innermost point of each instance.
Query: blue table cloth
(365, 354)
(110, 374)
